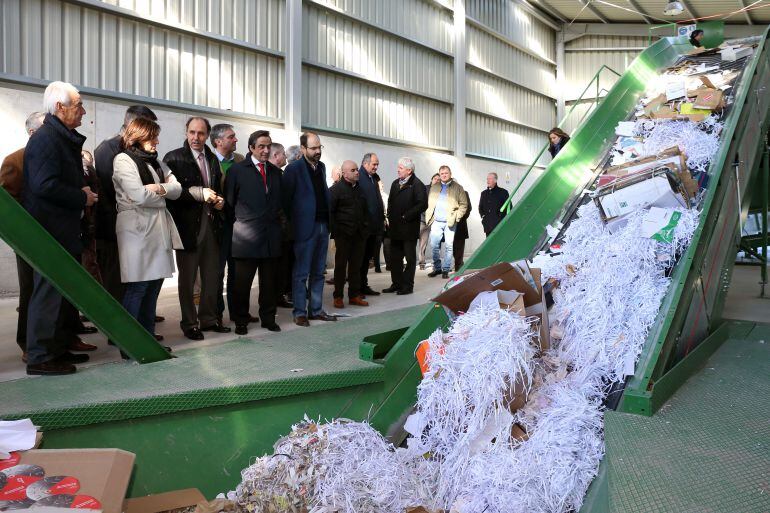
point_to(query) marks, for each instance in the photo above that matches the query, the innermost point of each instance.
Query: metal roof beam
(594, 10)
(636, 6)
(689, 8)
(746, 13)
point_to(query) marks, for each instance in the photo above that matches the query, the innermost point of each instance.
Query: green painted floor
(305, 360)
(708, 448)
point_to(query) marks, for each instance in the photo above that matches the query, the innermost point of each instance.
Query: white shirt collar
(256, 162)
(220, 156)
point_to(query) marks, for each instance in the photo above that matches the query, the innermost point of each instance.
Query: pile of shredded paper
(499, 425)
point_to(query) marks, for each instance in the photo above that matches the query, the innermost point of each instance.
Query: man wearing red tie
(253, 208)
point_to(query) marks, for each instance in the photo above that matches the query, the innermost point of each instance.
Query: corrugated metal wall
(583, 58)
(55, 40)
(370, 68)
(510, 103)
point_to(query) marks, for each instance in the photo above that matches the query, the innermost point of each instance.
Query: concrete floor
(743, 303)
(11, 366)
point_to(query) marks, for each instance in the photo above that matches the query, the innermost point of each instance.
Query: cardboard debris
(163, 502)
(519, 433)
(103, 473)
(671, 158)
(733, 53)
(709, 99)
(653, 188)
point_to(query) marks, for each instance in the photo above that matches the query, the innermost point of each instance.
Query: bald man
(349, 228)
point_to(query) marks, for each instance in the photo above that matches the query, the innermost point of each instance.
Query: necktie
(261, 167)
(202, 166)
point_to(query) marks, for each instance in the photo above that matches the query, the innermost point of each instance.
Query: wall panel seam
(505, 39)
(505, 78)
(506, 119)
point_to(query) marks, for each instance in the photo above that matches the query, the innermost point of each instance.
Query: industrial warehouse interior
(384, 256)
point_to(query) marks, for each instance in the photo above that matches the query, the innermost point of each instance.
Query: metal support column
(459, 77)
(765, 192)
(293, 67)
(560, 67)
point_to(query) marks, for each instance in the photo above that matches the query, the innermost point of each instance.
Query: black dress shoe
(434, 273)
(241, 329)
(158, 336)
(323, 316)
(193, 334)
(217, 328)
(86, 330)
(159, 318)
(52, 368)
(301, 321)
(253, 319)
(272, 327)
(404, 292)
(368, 291)
(72, 358)
(445, 275)
(390, 289)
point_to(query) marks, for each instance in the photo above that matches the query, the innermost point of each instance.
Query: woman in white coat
(146, 232)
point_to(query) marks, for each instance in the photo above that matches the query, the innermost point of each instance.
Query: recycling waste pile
(509, 414)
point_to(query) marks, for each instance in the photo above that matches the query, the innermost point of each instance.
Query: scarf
(141, 158)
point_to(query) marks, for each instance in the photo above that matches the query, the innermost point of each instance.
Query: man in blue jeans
(306, 203)
(447, 204)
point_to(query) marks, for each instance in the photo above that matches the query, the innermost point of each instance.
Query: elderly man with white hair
(407, 200)
(55, 195)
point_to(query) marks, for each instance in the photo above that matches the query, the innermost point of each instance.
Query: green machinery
(198, 419)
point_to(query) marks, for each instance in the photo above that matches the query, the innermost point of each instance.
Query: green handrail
(507, 205)
(35, 245)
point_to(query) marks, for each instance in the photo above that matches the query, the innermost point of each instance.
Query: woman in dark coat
(557, 139)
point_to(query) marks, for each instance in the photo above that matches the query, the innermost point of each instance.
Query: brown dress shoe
(301, 321)
(52, 368)
(358, 301)
(339, 303)
(79, 345)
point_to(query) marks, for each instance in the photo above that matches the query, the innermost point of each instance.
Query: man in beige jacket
(447, 204)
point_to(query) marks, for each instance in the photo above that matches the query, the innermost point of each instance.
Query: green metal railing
(593, 103)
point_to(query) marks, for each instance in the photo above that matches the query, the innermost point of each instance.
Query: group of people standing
(213, 213)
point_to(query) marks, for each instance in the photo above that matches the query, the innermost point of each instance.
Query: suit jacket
(254, 214)
(490, 204)
(375, 206)
(456, 206)
(299, 197)
(12, 174)
(405, 204)
(106, 207)
(53, 178)
(188, 210)
(461, 229)
(349, 215)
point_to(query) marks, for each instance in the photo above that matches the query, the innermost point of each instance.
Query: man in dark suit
(306, 204)
(198, 217)
(106, 210)
(461, 235)
(376, 212)
(492, 200)
(12, 180)
(55, 195)
(406, 202)
(253, 199)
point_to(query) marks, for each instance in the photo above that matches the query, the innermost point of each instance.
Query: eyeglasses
(313, 148)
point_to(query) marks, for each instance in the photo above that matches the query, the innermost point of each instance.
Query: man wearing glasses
(306, 203)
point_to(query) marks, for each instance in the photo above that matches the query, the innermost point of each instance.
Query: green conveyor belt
(205, 412)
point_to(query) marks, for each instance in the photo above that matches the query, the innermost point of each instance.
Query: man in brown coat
(12, 180)
(447, 205)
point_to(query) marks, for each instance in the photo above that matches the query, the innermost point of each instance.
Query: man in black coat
(55, 194)
(461, 235)
(198, 217)
(350, 229)
(253, 199)
(492, 200)
(376, 213)
(406, 202)
(106, 209)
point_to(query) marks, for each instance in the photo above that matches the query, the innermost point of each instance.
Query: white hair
(406, 162)
(34, 121)
(58, 92)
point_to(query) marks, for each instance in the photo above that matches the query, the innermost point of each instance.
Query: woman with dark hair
(145, 231)
(695, 38)
(557, 139)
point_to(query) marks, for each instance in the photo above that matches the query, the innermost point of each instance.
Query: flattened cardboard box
(161, 502)
(103, 473)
